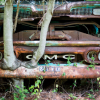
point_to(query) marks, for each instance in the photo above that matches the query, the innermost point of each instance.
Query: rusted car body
(73, 37)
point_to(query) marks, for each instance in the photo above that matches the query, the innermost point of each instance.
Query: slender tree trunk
(18, 83)
(45, 24)
(15, 24)
(9, 56)
(10, 61)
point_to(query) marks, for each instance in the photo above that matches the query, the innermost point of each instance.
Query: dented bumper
(53, 71)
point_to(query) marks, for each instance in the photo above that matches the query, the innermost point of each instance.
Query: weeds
(63, 74)
(69, 60)
(34, 89)
(72, 96)
(92, 64)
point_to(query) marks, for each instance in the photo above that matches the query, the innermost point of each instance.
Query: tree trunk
(10, 61)
(9, 56)
(18, 88)
(45, 24)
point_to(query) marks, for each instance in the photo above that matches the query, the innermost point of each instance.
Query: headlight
(96, 11)
(99, 55)
(91, 54)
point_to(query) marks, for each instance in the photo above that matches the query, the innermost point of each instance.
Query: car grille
(82, 11)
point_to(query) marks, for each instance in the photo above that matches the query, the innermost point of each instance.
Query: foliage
(98, 79)
(74, 83)
(2, 98)
(69, 60)
(91, 96)
(20, 93)
(2, 2)
(56, 89)
(35, 89)
(63, 74)
(75, 64)
(92, 64)
(72, 96)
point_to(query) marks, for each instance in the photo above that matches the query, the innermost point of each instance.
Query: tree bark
(45, 24)
(9, 56)
(9, 62)
(18, 83)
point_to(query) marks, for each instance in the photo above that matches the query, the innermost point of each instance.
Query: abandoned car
(73, 38)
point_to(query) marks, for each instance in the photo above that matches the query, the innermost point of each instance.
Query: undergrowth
(73, 89)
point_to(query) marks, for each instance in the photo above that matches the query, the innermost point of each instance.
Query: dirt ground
(57, 89)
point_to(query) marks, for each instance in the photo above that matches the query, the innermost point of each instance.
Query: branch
(15, 24)
(45, 24)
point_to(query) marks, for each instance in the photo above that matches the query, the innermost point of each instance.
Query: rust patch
(53, 72)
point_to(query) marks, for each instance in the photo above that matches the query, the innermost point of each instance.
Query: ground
(56, 89)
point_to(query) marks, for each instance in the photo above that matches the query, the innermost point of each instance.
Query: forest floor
(56, 89)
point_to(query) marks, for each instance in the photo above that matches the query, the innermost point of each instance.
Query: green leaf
(36, 90)
(38, 63)
(44, 71)
(71, 86)
(58, 64)
(32, 87)
(33, 93)
(93, 58)
(64, 74)
(2, 98)
(69, 58)
(26, 91)
(88, 68)
(41, 77)
(55, 90)
(35, 99)
(40, 90)
(17, 86)
(75, 64)
(68, 62)
(98, 78)
(91, 90)
(39, 81)
(36, 84)
(48, 61)
(91, 66)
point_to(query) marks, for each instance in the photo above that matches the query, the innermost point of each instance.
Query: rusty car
(73, 39)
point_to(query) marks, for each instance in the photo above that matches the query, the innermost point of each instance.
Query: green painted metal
(58, 43)
(28, 10)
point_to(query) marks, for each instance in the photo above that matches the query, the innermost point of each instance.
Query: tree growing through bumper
(10, 62)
